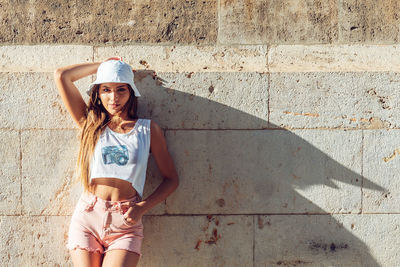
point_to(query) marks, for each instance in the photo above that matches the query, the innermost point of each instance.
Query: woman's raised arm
(72, 98)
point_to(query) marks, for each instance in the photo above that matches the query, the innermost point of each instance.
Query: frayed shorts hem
(86, 248)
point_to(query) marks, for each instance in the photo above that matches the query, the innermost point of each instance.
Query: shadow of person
(302, 187)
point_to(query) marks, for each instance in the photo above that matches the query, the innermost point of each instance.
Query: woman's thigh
(120, 258)
(84, 258)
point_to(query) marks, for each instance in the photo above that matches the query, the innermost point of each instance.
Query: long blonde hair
(95, 122)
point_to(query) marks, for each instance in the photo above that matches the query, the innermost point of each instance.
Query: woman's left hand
(134, 213)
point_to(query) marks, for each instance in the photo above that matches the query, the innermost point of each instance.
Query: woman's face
(114, 96)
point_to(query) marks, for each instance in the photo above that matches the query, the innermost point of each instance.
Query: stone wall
(281, 117)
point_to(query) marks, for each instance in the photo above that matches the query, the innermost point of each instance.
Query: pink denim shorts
(99, 225)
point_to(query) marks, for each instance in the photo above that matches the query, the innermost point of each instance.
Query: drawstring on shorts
(117, 205)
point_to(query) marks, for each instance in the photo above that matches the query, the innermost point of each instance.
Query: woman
(106, 227)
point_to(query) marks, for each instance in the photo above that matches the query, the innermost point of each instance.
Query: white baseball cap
(114, 71)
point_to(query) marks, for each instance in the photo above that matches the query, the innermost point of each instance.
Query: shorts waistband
(92, 200)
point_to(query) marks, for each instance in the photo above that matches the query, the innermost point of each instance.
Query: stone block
(368, 21)
(42, 58)
(34, 99)
(334, 100)
(186, 58)
(10, 193)
(276, 21)
(204, 100)
(381, 162)
(186, 100)
(326, 240)
(35, 241)
(266, 171)
(333, 58)
(197, 241)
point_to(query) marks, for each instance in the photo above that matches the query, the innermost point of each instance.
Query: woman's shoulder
(154, 127)
(156, 135)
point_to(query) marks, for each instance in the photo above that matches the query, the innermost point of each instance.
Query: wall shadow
(248, 169)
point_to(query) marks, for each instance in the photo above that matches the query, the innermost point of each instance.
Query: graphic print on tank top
(115, 154)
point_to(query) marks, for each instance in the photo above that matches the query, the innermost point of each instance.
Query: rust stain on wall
(260, 222)
(221, 202)
(144, 63)
(372, 123)
(395, 153)
(292, 262)
(198, 244)
(210, 238)
(302, 114)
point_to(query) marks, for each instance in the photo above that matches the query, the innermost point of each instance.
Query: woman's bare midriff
(112, 189)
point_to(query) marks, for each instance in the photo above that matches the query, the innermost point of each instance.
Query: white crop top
(123, 155)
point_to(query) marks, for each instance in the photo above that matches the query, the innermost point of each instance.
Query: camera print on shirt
(115, 154)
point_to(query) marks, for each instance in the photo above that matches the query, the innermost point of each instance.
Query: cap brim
(135, 89)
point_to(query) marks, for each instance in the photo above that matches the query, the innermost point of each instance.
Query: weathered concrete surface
(187, 58)
(369, 21)
(33, 98)
(70, 22)
(276, 21)
(34, 241)
(325, 240)
(334, 100)
(266, 171)
(214, 109)
(48, 163)
(183, 22)
(331, 58)
(197, 241)
(10, 193)
(42, 58)
(381, 165)
(204, 100)
(14, 27)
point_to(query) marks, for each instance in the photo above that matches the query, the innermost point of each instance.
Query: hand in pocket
(134, 212)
